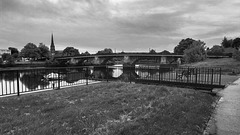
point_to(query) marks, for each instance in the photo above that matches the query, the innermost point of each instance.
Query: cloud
(121, 24)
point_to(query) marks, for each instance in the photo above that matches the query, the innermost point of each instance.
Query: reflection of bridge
(125, 58)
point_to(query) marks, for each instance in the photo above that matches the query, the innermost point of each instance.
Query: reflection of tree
(98, 74)
(102, 73)
(146, 72)
(33, 80)
(156, 71)
(9, 76)
(72, 77)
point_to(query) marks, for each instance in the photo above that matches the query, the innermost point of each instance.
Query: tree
(13, 50)
(30, 51)
(122, 52)
(226, 43)
(43, 51)
(236, 55)
(86, 53)
(195, 52)
(8, 59)
(236, 43)
(183, 45)
(105, 51)
(5, 56)
(70, 51)
(165, 52)
(152, 51)
(216, 50)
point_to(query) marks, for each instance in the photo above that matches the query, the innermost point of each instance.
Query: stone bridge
(129, 59)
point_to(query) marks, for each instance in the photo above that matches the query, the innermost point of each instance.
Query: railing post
(196, 75)
(107, 73)
(220, 76)
(18, 90)
(148, 73)
(159, 73)
(58, 79)
(130, 76)
(212, 77)
(86, 75)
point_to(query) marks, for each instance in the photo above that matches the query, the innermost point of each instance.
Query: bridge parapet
(122, 58)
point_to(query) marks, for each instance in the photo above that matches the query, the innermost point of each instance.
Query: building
(54, 53)
(2, 51)
(52, 47)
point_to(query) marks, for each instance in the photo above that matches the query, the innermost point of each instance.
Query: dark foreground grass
(107, 109)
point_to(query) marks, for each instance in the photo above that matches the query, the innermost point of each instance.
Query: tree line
(191, 49)
(195, 50)
(33, 52)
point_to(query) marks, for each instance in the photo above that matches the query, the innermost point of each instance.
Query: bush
(196, 52)
(216, 50)
(51, 63)
(236, 55)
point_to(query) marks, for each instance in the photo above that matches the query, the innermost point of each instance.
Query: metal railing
(27, 80)
(188, 75)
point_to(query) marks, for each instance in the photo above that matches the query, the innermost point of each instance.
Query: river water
(50, 79)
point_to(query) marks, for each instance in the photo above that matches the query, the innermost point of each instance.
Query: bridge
(120, 58)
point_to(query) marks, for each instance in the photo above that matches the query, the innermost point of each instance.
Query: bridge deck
(120, 55)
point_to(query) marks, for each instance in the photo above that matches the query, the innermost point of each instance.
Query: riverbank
(222, 121)
(228, 65)
(107, 108)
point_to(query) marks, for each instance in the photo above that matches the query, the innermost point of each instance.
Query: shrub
(216, 50)
(196, 52)
(51, 63)
(236, 55)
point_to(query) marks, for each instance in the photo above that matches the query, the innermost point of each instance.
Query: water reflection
(33, 80)
(73, 77)
(9, 76)
(43, 79)
(117, 72)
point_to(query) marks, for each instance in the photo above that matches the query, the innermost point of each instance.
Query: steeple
(52, 47)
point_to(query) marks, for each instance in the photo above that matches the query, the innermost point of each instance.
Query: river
(32, 80)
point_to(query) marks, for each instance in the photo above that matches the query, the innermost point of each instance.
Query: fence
(20, 81)
(188, 76)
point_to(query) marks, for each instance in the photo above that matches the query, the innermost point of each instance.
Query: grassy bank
(228, 65)
(107, 109)
(230, 68)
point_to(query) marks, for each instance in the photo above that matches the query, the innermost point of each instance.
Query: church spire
(52, 47)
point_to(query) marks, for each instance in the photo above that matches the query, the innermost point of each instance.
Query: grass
(230, 68)
(228, 65)
(107, 109)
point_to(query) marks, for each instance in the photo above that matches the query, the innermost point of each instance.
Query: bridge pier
(129, 73)
(128, 67)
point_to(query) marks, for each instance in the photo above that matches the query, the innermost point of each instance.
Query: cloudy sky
(124, 25)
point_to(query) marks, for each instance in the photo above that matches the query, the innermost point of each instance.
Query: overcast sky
(124, 25)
